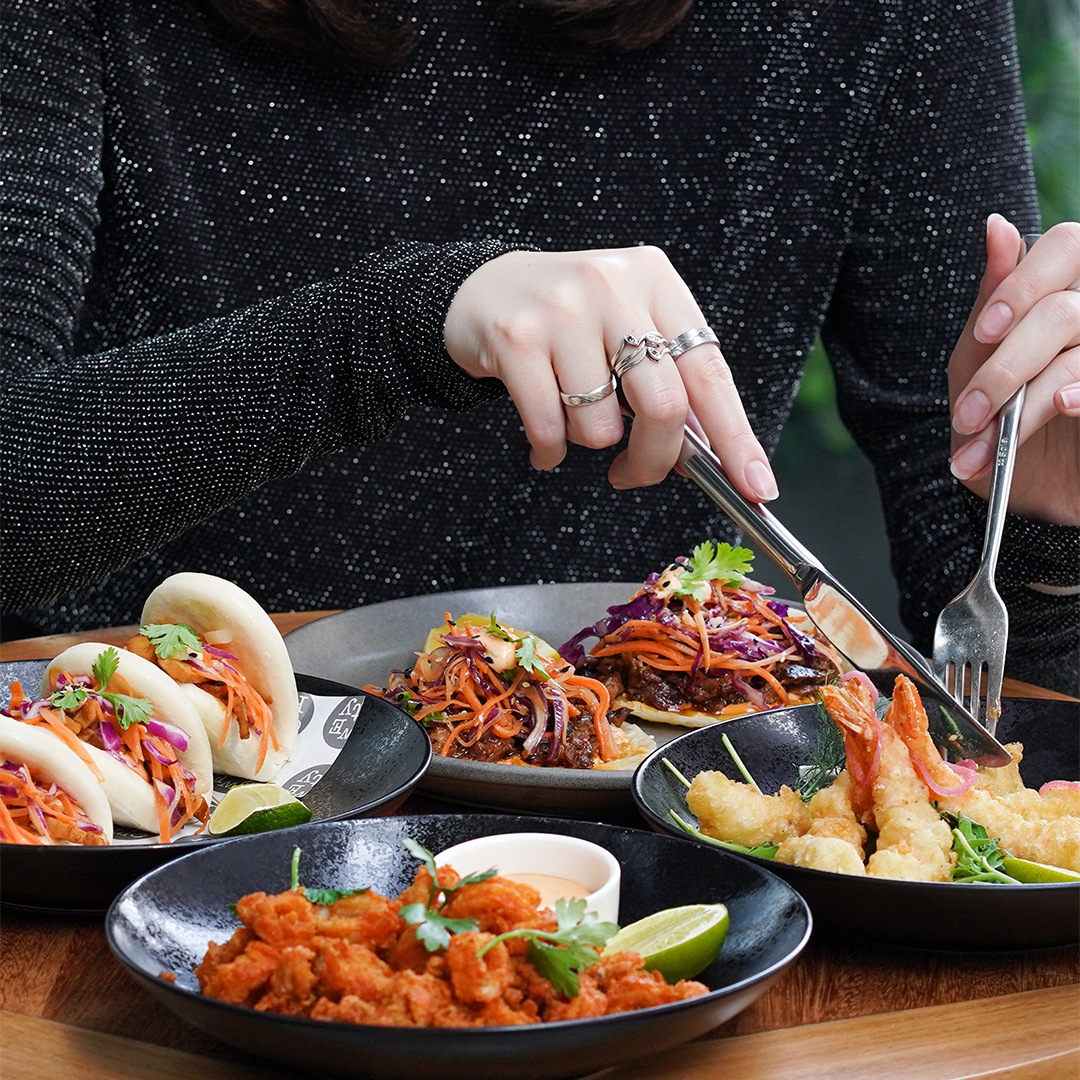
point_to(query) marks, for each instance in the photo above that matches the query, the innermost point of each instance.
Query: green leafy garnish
(315, 896)
(712, 562)
(744, 771)
(559, 955)
(827, 757)
(762, 851)
(979, 856)
(330, 896)
(172, 639)
(432, 927)
(527, 658)
(496, 631)
(128, 709)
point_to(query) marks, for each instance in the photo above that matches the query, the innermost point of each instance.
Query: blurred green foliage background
(1048, 35)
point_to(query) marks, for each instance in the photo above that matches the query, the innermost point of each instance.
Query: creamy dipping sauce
(550, 887)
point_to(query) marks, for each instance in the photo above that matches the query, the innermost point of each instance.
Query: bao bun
(226, 616)
(39, 749)
(130, 795)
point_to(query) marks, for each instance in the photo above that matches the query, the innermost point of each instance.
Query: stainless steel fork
(973, 630)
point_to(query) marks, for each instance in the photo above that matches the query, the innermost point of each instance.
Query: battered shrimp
(822, 853)
(736, 812)
(886, 792)
(832, 815)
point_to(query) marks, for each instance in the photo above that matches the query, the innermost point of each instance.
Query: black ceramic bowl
(925, 914)
(165, 921)
(382, 761)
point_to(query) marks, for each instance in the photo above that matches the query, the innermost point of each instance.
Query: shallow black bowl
(380, 763)
(924, 914)
(165, 921)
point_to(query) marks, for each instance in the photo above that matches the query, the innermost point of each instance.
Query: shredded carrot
(462, 700)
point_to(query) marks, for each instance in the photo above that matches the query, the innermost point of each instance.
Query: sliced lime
(252, 808)
(678, 942)
(1036, 873)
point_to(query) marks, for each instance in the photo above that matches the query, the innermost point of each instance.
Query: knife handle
(699, 461)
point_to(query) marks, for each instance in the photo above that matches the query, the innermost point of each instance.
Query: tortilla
(44, 752)
(224, 615)
(130, 795)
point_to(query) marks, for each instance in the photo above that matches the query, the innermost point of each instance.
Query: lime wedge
(1036, 873)
(252, 808)
(678, 942)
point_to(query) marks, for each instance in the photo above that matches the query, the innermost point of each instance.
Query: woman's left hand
(1024, 328)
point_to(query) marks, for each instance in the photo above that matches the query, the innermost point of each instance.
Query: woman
(234, 265)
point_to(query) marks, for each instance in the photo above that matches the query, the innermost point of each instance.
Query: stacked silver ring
(634, 349)
(689, 338)
(575, 401)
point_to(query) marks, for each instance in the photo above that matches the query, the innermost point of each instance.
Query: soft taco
(702, 642)
(128, 721)
(486, 691)
(227, 657)
(48, 794)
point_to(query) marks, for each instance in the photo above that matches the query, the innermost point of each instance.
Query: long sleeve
(106, 456)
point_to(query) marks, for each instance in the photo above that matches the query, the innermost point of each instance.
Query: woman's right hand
(545, 322)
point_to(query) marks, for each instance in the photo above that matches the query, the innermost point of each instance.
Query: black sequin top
(225, 272)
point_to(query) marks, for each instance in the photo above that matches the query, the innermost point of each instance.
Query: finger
(1052, 265)
(1067, 400)
(1003, 250)
(974, 459)
(534, 391)
(655, 392)
(1051, 326)
(581, 367)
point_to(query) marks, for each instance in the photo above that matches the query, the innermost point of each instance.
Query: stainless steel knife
(839, 616)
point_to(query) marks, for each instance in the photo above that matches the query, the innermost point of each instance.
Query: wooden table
(847, 1009)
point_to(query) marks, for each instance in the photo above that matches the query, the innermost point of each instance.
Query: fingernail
(970, 460)
(1070, 399)
(760, 480)
(995, 321)
(972, 412)
(989, 220)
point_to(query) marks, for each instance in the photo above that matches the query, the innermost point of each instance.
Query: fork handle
(1001, 479)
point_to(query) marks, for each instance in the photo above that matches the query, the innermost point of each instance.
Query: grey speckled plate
(365, 644)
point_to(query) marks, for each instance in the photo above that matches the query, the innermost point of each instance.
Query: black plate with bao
(940, 915)
(380, 761)
(165, 921)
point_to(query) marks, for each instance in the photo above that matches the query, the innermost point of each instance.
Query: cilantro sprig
(712, 562)
(525, 653)
(172, 639)
(433, 928)
(560, 954)
(128, 709)
(317, 896)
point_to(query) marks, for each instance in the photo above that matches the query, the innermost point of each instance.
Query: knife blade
(852, 629)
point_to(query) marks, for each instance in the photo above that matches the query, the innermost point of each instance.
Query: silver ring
(574, 401)
(689, 338)
(634, 349)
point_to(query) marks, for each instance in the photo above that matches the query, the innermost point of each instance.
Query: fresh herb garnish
(493, 629)
(559, 955)
(827, 756)
(172, 639)
(129, 710)
(712, 562)
(331, 896)
(746, 775)
(432, 927)
(529, 661)
(979, 856)
(762, 851)
(315, 896)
